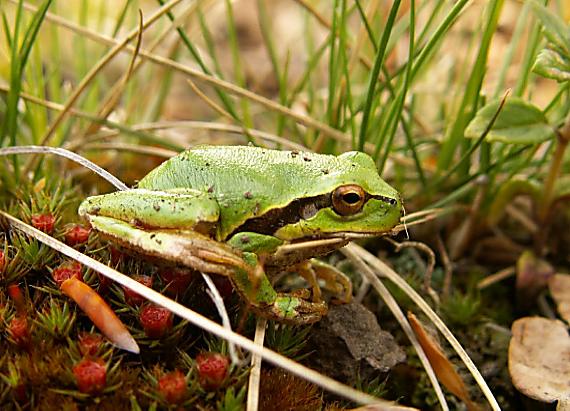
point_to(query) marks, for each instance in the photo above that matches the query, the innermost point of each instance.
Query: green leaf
(555, 29)
(507, 192)
(552, 64)
(518, 123)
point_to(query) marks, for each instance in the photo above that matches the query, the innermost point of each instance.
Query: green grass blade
(121, 18)
(373, 78)
(454, 137)
(226, 101)
(397, 108)
(236, 59)
(438, 36)
(281, 77)
(19, 57)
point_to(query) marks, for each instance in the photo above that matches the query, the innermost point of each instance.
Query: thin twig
(430, 266)
(255, 371)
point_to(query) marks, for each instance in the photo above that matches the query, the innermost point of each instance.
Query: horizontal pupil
(351, 198)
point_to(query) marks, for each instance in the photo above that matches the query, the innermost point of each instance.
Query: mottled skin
(219, 209)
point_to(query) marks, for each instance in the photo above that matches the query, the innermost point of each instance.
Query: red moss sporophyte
(67, 270)
(131, 297)
(156, 321)
(44, 222)
(172, 387)
(90, 375)
(213, 369)
(77, 234)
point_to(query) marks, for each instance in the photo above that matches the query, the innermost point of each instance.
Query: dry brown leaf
(559, 286)
(539, 359)
(444, 369)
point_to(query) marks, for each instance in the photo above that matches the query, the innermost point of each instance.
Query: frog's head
(351, 201)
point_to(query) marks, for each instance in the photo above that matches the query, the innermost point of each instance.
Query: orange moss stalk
(100, 313)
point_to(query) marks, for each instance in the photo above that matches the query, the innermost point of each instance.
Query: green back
(249, 181)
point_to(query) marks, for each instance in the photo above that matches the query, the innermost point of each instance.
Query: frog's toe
(295, 310)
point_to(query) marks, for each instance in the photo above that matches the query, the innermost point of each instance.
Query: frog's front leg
(264, 300)
(289, 307)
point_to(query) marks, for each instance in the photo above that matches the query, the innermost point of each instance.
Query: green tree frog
(230, 209)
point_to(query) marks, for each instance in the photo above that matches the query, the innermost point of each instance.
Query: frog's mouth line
(326, 238)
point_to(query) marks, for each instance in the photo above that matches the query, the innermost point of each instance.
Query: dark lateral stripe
(277, 218)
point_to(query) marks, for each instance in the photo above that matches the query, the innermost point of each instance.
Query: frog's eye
(348, 200)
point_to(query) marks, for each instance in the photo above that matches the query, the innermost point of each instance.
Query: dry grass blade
(117, 47)
(213, 81)
(201, 125)
(369, 275)
(115, 95)
(160, 125)
(383, 270)
(69, 155)
(131, 148)
(297, 369)
(255, 372)
(220, 306)
(496, 277)
(442, 366)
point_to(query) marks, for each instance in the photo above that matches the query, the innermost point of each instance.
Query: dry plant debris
(539, 360)
(442, 366)
(532, 276)
(559, 286)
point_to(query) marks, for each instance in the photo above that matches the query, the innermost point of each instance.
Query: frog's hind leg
(185, 247)
(305, 270)
(335, 280)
